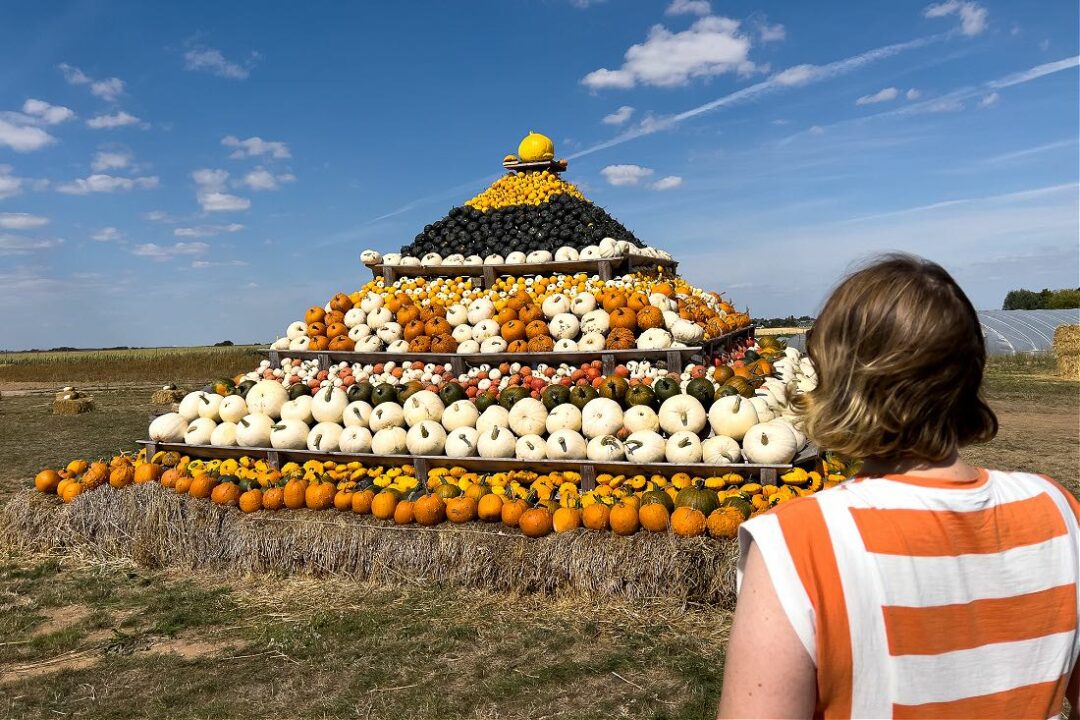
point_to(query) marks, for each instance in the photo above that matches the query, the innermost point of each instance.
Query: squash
(702, 390)
(535, 147)
(601, 416)
(266, 398)
(457, 315)
(530, 447)
(324, 437)
(189, 405)
(688, 522)
(583, 303)
(654, 339)
(232, 409)
(665, 388)
(496, 415)
(355, 439)
(566, 519)
(688, 332)
(209, 404)
(683, 447)
(724, 522)
(536, 522)
(591, 342)
(47, 481)
(426, 438)
(459, 414)
(682, 412)
(253, 430)
(698, 496)
(555, 304)
(224, 435)
(528, 416)
(605, 448)
(595, 516)
(298, 409)
(429, 510)
(199, 431)
(645, 446)
(389, 441)
(422, 406)
(564, 326)
(289, 435)
(498, 442)
(493, 346)
(485, 330)
(720, 450)
(654, 517)
(563, 417)
(566, 445)
(769, 444)
(356, 414)
(623, 519)
(640, 417)
(732, 416)
(595, 321)
(761, 405)
(480, 309)
(489, 508)
(386, 415)
(168, 428)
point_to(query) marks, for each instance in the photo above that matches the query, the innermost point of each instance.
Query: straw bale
(75, 406)
(167, 397)
(1067, 350)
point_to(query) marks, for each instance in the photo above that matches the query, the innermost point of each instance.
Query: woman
(924, 587)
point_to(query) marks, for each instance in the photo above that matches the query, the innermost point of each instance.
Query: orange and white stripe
(931, 598)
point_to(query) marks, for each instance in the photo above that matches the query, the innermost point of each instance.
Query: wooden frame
(606, 268)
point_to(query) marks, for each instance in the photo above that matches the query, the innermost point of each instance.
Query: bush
(1045, 300)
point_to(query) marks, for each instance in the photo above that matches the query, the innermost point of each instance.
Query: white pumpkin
(266, 397)
(566, 254)
(496, 415)
(168, 428)
(607, 247)
(498, 442)
(455, 259)
(371, 257)
(566, 345)
(530, 447)
(800, 437)
(386, 415)
(426, 438)
(289, 435)
(457, 315)
(640, 417)
(494, 259)
(298, 409)
(605, 448)
(583, 304)
(645, 446)
(596, 321)
(654, 339)
(389, 441)
(720, 450)
(769, 444)
(371, 302)
(224, 435)
(515, 258)
(590, 252)
(761, 405)
(528, 416)
(670, 318)
(369, 344)
(390, 333)
(538, 256)
(199, 431)
(253, 430)
(324, 437)
(355, 316)
(379, 317)
(460, 413)
(493, 345)
(189, 405)
(462, 332)
(461, 442)
(359, 332)
(232, 409)
(566, 445)
(563, 417)
(432, 259)
(480, 309)
(591, 342)
(687, 331)
(281, 343)
(209, 404)
(564, 325)
(468, 347)
(296, 330)
(682, 412)
(328, 404)
(356, 414)
(732, 415)
(555, 304)
(683, 447)
(392, 259)
(601, 416)
(355, 439)
(399, 347)
(421, 406)
(410, 261)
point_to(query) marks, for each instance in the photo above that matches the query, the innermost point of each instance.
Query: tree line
(1043, 300)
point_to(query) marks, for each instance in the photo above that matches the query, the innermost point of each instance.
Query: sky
(185, 173)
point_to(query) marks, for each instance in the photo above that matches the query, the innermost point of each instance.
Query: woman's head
(899, 355)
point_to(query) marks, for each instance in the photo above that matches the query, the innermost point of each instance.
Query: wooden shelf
(676, 358)
(606, 268)
(555, 166)
(588, 469)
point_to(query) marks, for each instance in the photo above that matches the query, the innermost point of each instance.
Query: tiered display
(550, 390)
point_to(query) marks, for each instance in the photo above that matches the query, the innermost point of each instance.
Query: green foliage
(789, 322)
(1046, 299)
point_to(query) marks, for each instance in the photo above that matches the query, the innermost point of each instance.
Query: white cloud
(18, 245)
(688, 7)
(947, 104)
(210, 192)
(772, 33)
(207, 230)
(620, 175)
(712, 46)
(667, 183)
(816, 130)
(168, 252)
(972, 14)
(1036, 72)
(203, 264)
(10, 186)
(989, 100)
(797, 75)
(159, 216)
(21, 221)
(106, 183)
(884, 95)
(260, 179)
(256, 146)
(107, 160)
(107, 234)
(108, 89)
(108, 122)
(212, 61)
(23, 138)
(73, 75)
(46, 113)
(912, 94)
(619, 116)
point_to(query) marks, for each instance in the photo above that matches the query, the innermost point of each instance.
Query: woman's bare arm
(763, 646)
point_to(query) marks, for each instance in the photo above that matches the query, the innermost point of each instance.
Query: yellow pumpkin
(535, 147)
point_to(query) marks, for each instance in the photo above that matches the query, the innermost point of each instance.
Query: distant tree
(1044, 299)
(1064, 299)
(224, 343)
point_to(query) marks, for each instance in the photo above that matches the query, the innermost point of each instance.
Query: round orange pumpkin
(444, 343)
(414, 329)
(637, 301)
(536, 522)
(518, 346)
(460, 509)
(512, 511)
(623, 519)
(437, 326)
(407, 314)
(319, 496)
(512, 330)
(314, 314)
(341, 303)
(566, 519)
(623, 317)
(420, 344)
(614, 300)
(650, 317)
(506, 315)
(687, 521)
(251, 500)
(320, 342)
(361, 501)
(536, 328)
(595, 516)
(489, 507)
(403, 512)
(273, 498)
(147, 472)
(295, 492)
(47, 481)
(540, 344)
(530, 312)
(383, 505)
(341, 343)
(121, 476)
(654, 517)
(430, 510)
(226, 493)
(315, 329)
(202, 485)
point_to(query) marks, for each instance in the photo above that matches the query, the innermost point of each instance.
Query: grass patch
(197, 364)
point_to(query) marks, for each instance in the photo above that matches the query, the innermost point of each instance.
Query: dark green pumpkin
(614, 388)
(698, 497)
(359, 391)
(298, 390)
(702, 390)
(739, 502)
(640, 395)
(452, 392)
(724, 391)
(666, 387)
(242, 388)
(485, 400)
(660, 497)
(580, 395)
(509, 397)
(555, 395)
(383, 392)
(409, 389)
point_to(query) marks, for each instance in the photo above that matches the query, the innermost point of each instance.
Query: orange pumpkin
(251, 500)
(623, 317)
(511, 512)
(341, 303)
(147, 472)
(383, 505)
(489, 507)
(519, 300)
(566, 519)
(536, 328)
(202, 485)
(650, 317)
(404, 512)
(361, 501)
(295, 492)
(273, 498)
(637, 301)
(518, 346)
(687, 521)
(460, 509)
(315, 329)
(319, 496)
(47, 481)
(724, 522)
(320, 343)
(336, 330)
(314, 314)
(414, 329)
(620, 339)
(72, 490)
(226, 493)
(530, 312)
(623, 519)
(595, 516)
(121, 476)
(407, 314)
(183, 484)
(332, 317)
(429, 510)
(540, 344)
(664, 288)
(437, 326)
(654, 517)
(506, 315)
(420, 344)
(444, 343)
(536, 522)
(512, 330)
(342, 343)
(614, 300)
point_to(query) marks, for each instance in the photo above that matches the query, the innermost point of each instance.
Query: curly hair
(900, 355)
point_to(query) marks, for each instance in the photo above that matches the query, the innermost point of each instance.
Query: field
(86, 638)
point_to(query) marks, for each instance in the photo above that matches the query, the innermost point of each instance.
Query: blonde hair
(899, 355)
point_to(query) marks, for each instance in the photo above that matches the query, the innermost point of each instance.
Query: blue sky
(187, 172)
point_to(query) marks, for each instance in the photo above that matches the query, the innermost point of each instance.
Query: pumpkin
(404, 512)
(47, 481)
(384, 504)
(250, 500)
(724, 522)
(769, 444)
(343, 499)
(266, 397)
(489, 507)
(654, 516)
(732, 416)
(564, 326)
(511, 512)
(294, 496)
(566, 445)
(536, 522)
(528, 416)
(535, 147)
(298, 408)
(389, 441)
(314, 314)
(512, 330)
(254, 430)
(682, 412)
(688, 332)
(386, 415)
(688, 522)
(461, 442)
(720, 450)
(225, 493)
(583, 303)
(623, 519)
(624, 318)
(761, 405)
(202, 485)
(407, 314)
(683, 447)
(613, 300)
(595, 516)
(78, 467)
(199, 431)
(649, 317)
(640, 417)
(620, 339)
(697, 496)
(444, 343)
(566, 519)
(555, 304)
(429, 510)
(183, 484)
(412, 329)
(356, 414)
(541, 344)
(71, 491)
(461, 509)
(498, 442)
(530, 447)
(601, 416)
(605, 448)
(121, 476)
(289, 435)
(361, 501)
(563, 417)
(645, 446)
(529, 314)
(437, 326)
(426, 438)
(189, 405)
(168, 428)
(232, 409)
(421, 406)
(324, 437)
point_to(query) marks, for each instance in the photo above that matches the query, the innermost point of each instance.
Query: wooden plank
(621, 264)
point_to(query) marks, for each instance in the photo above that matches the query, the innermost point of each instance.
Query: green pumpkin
(447, 491)
(702, 390)
(452, 392)
(750, 356)
(659, 497)
(724, 391)
(580, 395)
(359, 391)
(666, 387)
(485, 400)
(698, 497)
(509, 397)
(242, 388)
(409, 389)
(555, 395)
(614, 388)
(223, 386)
(298, 390)
(383, 392)
(739, 502)
(640, 395)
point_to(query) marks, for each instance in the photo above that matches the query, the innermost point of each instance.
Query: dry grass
(159, 365)
(1067, 350)
(76, 406)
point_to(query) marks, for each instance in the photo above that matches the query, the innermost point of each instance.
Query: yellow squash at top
(536, 147)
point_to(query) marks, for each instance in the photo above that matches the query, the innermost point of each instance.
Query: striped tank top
(925, 598)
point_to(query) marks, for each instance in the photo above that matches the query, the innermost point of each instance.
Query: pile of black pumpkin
(563, 221)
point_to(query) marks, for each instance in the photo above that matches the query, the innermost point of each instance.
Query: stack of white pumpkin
(681, 432)
(605, 249)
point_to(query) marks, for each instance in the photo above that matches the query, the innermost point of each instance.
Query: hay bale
(1067, 350)
(167, 396)
(72, 405)
(156, 527)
